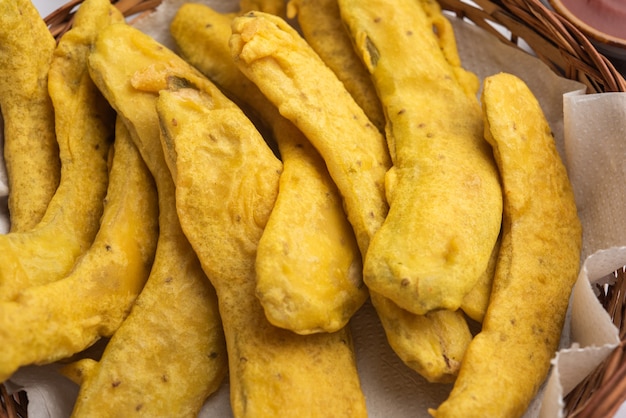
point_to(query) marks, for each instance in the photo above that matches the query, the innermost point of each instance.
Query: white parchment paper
(589, 130)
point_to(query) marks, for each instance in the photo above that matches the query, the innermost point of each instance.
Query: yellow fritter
(476, 301)
(305, 91)
(275, 7)
(84, 130)
(226, 186)
(169, 354)
(31, 153)
(433, 344)
(537, 266)
(447, 43)
(321, 26)
(308, 265)
(443, 189)
(54, 321)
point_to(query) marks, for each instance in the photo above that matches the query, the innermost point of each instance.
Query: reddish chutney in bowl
(604, 20)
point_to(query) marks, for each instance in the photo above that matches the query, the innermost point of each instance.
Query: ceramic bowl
(602, 21)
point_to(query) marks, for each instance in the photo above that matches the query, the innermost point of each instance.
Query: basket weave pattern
(554, 40)
(604, 390)
(567, 52)
(12, 405)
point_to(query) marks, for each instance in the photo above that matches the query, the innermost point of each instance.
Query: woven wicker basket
(567, 52)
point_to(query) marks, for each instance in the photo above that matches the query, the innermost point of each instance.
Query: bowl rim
(587, 29)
